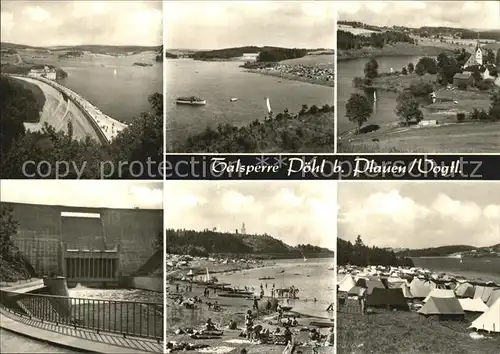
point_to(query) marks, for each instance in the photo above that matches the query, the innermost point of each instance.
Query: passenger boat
(234, 99)
(266, 278)
(192, 100)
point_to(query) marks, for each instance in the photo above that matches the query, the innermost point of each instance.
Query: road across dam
(63, 105)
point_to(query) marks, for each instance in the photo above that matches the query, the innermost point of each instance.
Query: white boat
(305, 259)
(192, 100)
(233, 99)
(114, 72)
(374, 96)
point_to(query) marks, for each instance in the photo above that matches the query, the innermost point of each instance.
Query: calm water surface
(487, 269)
(217, 82)
(81, 291)
(386, 101)
(123, 95)
(312, 278)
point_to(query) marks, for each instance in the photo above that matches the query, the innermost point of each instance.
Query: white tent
(490, 320)
(347, 283)
(473, 305)
(440, 293)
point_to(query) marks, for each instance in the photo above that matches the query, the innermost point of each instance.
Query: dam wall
(46, 232)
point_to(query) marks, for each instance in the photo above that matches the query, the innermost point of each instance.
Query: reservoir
(217, 83)
(113, 84)
(383, 110)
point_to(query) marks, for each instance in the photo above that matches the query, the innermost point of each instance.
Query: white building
(45, 72)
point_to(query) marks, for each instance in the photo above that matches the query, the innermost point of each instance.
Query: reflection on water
(81, 291)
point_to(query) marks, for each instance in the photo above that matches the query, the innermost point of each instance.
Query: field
(323, 60)
(409, 333)
(398, 49)
(456, 138)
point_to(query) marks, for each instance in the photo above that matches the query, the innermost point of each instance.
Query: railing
(132, 318)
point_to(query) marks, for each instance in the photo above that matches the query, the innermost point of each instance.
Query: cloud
(308, 24)
(410, 215)
(463, 14)
(111, 194)
(54, 23)
(295, 212)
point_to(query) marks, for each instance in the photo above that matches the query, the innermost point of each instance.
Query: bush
(421, 89)
(460, 117)
(485, 85)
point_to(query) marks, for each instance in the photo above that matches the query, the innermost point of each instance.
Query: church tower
(479, 51)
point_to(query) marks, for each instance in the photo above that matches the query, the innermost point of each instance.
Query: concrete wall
(134, 231)
(146, 283)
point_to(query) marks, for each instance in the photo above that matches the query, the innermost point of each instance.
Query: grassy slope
(398, 49)
(407, 332)
(36, 90)
(463, 138)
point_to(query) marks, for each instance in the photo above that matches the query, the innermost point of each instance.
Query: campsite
(413, 310)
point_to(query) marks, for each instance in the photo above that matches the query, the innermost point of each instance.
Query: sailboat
(305, 259)
(207, 277)
(114, 72)
(374, 96)
(268, 104)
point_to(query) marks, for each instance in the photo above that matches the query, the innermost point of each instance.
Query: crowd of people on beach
(304, 71)
(109, 126)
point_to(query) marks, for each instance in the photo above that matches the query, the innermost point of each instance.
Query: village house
(46, 72)
(463, 80)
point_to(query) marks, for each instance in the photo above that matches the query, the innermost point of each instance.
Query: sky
(224, 24)
(420, 215)
(294, 212)
(84, 193)
(461, 14)
(54, 23)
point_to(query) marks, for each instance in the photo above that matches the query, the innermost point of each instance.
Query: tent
(490, 320)
(479, 291)
(387, 298)
(347, 283)
(473, 305)
(406, 291)
(420, 288)
(440, 293)
(370, 284)
(487, 292)
(493, 297)
(465, 290)
(356, 291)
(445, 307)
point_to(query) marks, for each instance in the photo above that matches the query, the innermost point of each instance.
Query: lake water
(386, 101)
(312, 278)
(81, 291)
(123, 95)
(217, 82)
(487, 268)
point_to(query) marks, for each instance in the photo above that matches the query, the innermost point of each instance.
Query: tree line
(208, 242)
(347, 40)
(359, 254)
(13, 265)
(310, 129)
(140, 141)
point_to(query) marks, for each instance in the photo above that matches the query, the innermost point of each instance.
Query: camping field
(409, 333)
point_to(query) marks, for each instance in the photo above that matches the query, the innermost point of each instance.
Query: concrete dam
(91, 246)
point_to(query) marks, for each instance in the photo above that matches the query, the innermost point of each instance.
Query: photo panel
(82, 266)
(250, 266)
(418, 76)
(249, 76)
(82, 89)
(418, 267)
